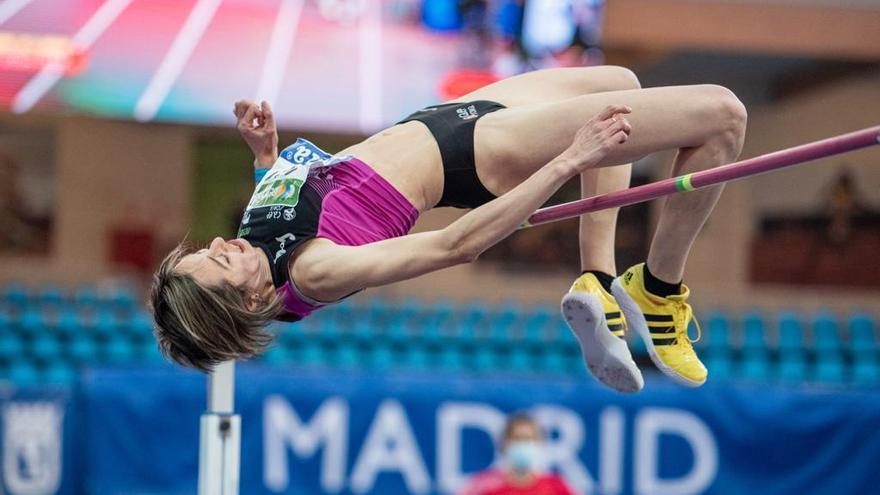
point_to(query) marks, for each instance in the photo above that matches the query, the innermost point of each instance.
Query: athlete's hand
(256, 123)
(598, 137)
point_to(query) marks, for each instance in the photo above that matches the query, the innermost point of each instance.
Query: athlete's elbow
(465, 252)
(321, 284)
(459, 248)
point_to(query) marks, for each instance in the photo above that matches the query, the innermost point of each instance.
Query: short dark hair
(515, 419)
(200, 326)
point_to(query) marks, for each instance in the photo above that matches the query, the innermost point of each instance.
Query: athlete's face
(233, 262)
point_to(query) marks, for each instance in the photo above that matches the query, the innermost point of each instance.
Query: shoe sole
(636, 320)
(606, 356)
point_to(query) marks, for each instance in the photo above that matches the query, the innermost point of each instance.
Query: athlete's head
(213, 304)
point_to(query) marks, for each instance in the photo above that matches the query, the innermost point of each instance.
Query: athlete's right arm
(327, 271)
(256, 124)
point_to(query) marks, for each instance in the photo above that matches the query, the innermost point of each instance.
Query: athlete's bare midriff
(407, 156)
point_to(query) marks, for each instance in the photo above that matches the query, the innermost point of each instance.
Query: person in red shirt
(519, 471)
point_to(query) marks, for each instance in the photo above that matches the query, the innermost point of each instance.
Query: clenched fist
(256, 124)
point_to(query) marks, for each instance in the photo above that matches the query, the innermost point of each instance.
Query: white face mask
(523, 456)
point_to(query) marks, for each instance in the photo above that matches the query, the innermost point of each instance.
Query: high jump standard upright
(220, 435)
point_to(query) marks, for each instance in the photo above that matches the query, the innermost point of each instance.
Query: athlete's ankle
(659, 287)
(605, 279)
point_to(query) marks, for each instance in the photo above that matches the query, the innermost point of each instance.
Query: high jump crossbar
(691, 182)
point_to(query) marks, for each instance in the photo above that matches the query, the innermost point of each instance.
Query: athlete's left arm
(327, 271)
(256, 124)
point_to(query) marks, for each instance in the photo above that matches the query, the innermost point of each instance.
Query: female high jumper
(322, 227)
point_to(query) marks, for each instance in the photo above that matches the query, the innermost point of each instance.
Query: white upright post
(220, 435)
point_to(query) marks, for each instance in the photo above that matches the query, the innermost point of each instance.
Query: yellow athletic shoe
(596, 320)
(662, 322)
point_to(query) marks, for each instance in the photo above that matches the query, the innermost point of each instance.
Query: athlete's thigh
(554, 85)
(512, 144)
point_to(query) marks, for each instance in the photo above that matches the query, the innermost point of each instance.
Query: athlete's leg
(589, 308)
(538, 87)
(548, 85)
(706, 123)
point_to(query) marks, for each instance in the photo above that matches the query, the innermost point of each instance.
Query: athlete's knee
(620, 78)
(728, 115)
(605, 78)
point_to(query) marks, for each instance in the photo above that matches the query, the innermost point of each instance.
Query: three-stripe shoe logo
(615, 323)
(662, 329)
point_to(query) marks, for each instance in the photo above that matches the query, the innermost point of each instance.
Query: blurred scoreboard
(326, 65)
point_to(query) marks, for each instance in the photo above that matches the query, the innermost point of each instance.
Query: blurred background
(117, 141)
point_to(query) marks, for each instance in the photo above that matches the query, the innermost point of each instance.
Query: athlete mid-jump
(322, 227)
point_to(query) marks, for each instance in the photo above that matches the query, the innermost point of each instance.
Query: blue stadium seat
(347, 356)
(503, 320)
(450, 358)
(437, 314)
(50, 295)
(85, 297)
(122, 299)
(552, 362)
(103, 325)
(829, 368)
(754, 332)
(380, 356)
(416, 357)
(11, 346)
(862, 336)
(539, 315)
(428, 330)
(60, 372)
(537, 327)
(755, 366)
(866, 370)
(717, 328)
(30, 323)
(149, 352)
(396, 332)
(140, 325)
(276, 355)
(720, 365)
(312, 354)
(24, 373)
(826, 336)
(410, 309)
(560, 333)
(119, 349)
(67, 325)
(83, 350)
(520, 359)
(792, 367)
(485, 359)
(791, 333)
(290, 337)
(15, 295)
(46, 347)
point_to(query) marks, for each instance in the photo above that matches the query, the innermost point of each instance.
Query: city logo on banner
(32, 447)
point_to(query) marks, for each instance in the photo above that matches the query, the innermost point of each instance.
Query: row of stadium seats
(18, 297)
(48, 341)
(538, 326)
(54, 363)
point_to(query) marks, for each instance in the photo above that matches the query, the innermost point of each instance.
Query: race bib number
(282, 185)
